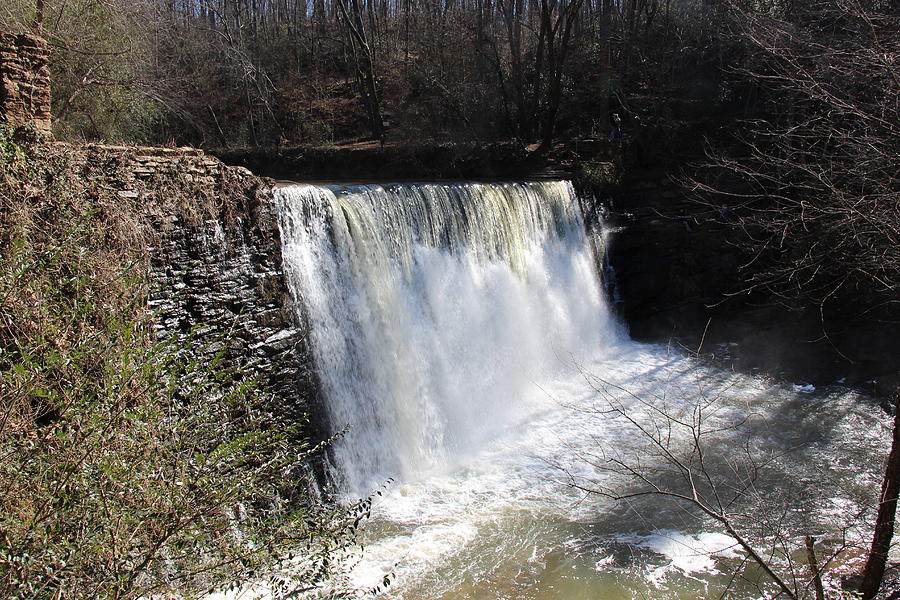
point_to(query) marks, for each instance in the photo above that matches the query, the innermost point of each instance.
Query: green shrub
(598, 175)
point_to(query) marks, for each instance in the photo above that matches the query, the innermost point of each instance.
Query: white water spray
(434, 308)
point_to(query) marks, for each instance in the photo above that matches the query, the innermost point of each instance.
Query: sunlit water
(461, 333)
(508, 523)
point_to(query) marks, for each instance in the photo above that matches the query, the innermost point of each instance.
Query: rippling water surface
(507, 522)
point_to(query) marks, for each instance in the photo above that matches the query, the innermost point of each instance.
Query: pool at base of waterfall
(529, 516)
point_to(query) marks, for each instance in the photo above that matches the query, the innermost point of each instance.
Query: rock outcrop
(680, 274)
(213, 260)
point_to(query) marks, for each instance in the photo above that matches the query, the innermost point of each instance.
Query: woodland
(269, 72)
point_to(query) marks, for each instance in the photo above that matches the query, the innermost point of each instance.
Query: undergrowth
(128, 467)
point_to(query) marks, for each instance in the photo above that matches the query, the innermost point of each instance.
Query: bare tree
(814, 177)
(363, 58)
(873, 573)
(677, 455)
(812, 180)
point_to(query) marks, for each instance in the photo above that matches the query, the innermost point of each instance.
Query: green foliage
(10, 151)
(130, 467)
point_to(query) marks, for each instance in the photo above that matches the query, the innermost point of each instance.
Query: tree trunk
(557, 51)
(38, 25)
(365, 66)
(814, 567)
(887, 509)
(511, 10)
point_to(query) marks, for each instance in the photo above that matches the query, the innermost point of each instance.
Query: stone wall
(215, 261)
(25, 81)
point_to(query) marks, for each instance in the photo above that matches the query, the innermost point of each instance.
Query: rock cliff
(212, 257)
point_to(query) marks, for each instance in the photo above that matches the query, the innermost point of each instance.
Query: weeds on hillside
(129, 467)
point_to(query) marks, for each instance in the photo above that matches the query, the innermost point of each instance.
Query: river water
(463, 339)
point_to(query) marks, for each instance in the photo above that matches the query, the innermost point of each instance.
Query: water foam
(434, 308)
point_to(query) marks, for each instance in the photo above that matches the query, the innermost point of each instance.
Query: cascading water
(460, 333)
(433, 308)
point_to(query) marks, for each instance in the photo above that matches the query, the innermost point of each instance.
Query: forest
(239, 73)
(269, 72)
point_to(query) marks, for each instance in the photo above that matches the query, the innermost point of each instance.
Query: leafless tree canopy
(237, 72)
(814, 176)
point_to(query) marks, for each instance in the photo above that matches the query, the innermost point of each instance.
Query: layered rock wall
(214, 261)
(25, 81)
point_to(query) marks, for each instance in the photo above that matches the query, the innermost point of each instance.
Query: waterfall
(435, 311)
(461, 333)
